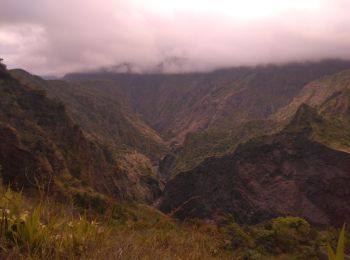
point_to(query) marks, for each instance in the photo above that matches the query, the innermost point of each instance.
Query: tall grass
(45, 229)
(339, 254)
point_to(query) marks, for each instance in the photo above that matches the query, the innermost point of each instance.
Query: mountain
(42, 147)
(255, 162)
(225, 135)
(286, 174)
(303, 170)
(102, 118)
(132, 121)
(177, 104)
(209, 114)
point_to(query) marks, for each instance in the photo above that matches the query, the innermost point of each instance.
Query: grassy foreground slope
(40, 228)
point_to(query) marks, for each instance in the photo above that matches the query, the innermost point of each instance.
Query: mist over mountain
(59, 37)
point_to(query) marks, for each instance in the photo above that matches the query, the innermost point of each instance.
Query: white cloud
(58, 36)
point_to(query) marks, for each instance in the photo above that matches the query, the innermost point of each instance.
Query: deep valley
(237, 163)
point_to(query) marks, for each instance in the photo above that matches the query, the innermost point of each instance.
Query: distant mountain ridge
(177, 104)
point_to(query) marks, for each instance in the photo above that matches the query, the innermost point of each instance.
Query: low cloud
(56, 37)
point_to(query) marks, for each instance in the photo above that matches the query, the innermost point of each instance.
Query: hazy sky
(59, 36)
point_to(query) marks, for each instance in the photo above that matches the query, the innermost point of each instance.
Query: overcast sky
(59, 36)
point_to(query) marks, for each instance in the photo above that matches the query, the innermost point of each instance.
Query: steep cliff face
(284, 174)
(39, 142)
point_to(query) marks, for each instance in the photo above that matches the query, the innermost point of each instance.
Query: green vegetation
(43, 229)
(218, 140)
(340, 252)
(283, 237)
(334, 132)
(322, 110)
(32, 228)
(46, 230)
(49, 230)
(331, 130)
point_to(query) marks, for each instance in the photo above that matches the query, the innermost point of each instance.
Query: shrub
(290, 232)
(267, 240)
(238, 237)
(283, 235)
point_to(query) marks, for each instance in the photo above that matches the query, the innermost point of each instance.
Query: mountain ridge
(56, 151)
(176, 104)
(250, 182)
